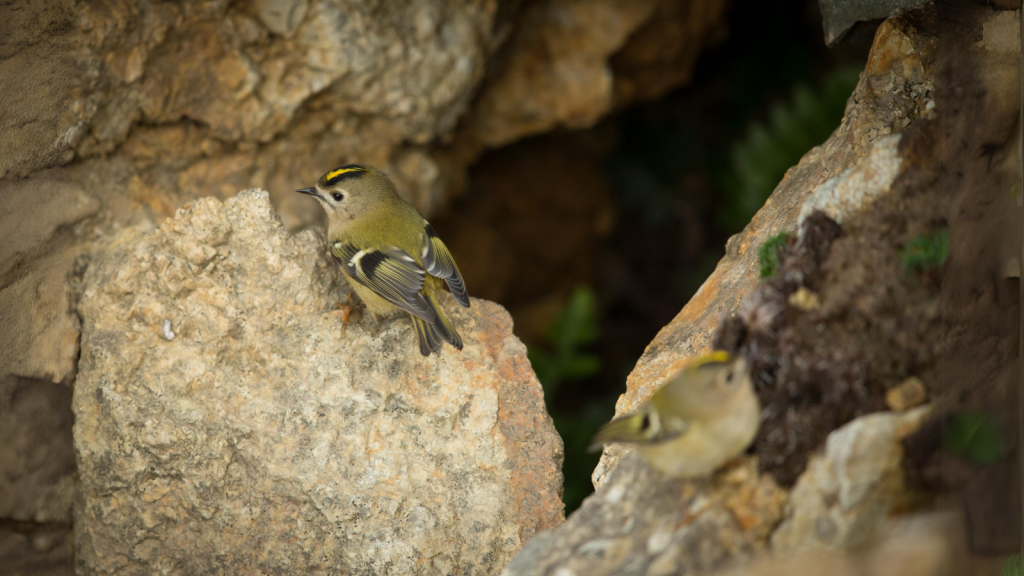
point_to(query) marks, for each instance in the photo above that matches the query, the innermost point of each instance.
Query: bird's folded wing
(439, 263)
(391, 274)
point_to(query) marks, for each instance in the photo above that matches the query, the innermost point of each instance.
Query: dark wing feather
(438, 262)
(391, 274)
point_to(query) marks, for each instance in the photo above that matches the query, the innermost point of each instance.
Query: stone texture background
(263, 421)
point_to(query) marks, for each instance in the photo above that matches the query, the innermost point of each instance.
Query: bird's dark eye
(646, 423)
(338, 196)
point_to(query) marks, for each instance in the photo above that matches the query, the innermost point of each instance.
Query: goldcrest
(704, 417)
(393, 258)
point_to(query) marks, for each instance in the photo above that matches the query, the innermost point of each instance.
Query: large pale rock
(255, 435)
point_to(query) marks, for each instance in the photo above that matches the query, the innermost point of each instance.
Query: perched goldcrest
(705, 416)
(393, 258)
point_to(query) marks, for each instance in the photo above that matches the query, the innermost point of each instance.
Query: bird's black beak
(310, 191)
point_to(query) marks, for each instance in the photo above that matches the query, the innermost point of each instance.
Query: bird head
(350, 191)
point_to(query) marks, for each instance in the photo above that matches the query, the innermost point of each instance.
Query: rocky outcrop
(124, 111)
(643, 523)
(894, 88)
(225, 420)
(573, 61)
(857, 318)
(184, 100)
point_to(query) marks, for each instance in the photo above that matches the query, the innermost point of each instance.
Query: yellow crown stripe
(718, 356)
(334, 174)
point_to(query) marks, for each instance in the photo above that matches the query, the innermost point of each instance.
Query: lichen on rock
(264, 437)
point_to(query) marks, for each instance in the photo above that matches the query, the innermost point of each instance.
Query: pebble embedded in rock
(908, 394)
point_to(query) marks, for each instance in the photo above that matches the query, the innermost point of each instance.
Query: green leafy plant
(769, 252)
(575, 327)
(972, 436)
(926, 252)
(564, 359)
(1012, 567)
(761, 158)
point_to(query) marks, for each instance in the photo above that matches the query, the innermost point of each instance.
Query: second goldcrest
(391, 255)
(704, 417)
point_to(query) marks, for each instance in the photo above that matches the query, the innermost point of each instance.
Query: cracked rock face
(166, 102)
(254, 434)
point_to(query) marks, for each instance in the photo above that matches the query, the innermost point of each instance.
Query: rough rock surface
(254, 434)
(190, 99)
(37, 462)
(643, 522)
(560, 70)
(40, 336)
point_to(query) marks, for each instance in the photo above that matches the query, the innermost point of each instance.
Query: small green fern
(575, 327)
(564, 359)
(762, 157)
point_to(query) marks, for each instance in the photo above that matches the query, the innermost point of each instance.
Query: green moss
(972, 436)
(926, 252)
(769, 252)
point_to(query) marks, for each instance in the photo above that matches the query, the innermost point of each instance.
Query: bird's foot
(345, 310)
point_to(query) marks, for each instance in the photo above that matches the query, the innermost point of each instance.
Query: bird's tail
(623, 429)
(432, 334)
